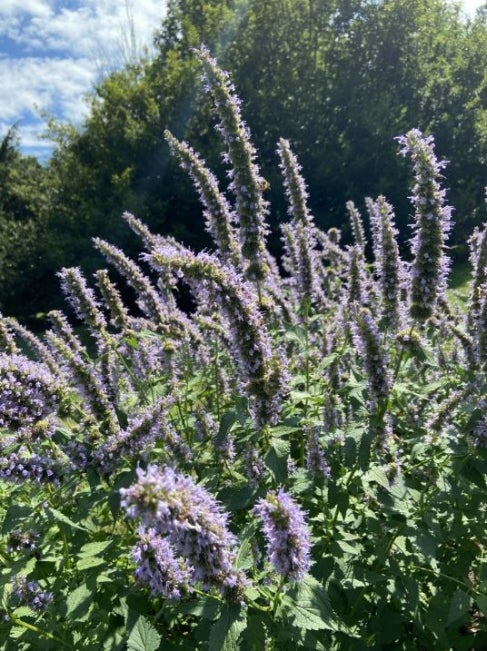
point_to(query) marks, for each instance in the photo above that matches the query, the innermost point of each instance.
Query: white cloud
(30, 85)
(33, 7)
(53, 51)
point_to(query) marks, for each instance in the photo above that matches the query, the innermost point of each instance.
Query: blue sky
(52, 52)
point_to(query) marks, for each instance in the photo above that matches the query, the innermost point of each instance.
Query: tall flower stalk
(388, 264)
(432, 224)
(262, 370)
(300, 234)
(286, 534)
(366, 338)
(246, 182)
(220, 218)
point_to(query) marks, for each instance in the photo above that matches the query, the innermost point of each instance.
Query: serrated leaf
(143, 636)
(282, 430)
(349, 549)
(459, 606)
(276, 458)
(244, 558)
(60, 517)
(226, 631)
(78, 603)
(309, 606)
(379, 476)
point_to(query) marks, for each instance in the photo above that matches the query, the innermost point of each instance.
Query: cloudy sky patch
(53, 51)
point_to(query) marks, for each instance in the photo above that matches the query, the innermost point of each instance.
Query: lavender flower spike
(84, 303)
(478, 258)
(218, 213)
(172, 506)
(286, 533)
(357, 226)
(158, 567)
(262, 370)
(300, 235)
(433, 221)
(366, 338)
(388, 264)
(246, 182)
(29, 392)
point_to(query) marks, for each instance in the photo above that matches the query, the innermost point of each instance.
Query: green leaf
(244, 559)
(87, 562)
(143, 636)
(60, 517)
(459, 606)
(228, 420)
(309, 606)
(94, 548)
(227, 630)
(276, 458)
(379, 476)
(481, 600)
(15, 514)
(78, 603)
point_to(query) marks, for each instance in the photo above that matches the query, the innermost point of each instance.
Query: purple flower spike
(246, 181)
(158, 567)
(433, 222)
(171, 505)
(286, 533)
(366, 338)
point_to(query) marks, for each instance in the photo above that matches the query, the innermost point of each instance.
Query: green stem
(277, 597)
(215, 367)
(31, 627)
(445, 576)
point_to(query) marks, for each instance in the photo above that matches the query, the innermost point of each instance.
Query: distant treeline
(339, 78)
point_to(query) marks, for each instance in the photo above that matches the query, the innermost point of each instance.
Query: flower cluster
(171, 506)
(21, 540)
(246, 182)
(366, 338)
(357, 226)
(263, 371)
(31, 594)
(23, 465)
(286, 534)
(300, 234)
(433, 221)
(158, 567)
(29, 392)
(83, 301)
(388, 265)
(315, 456)
(141, 434)
(220, 218)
